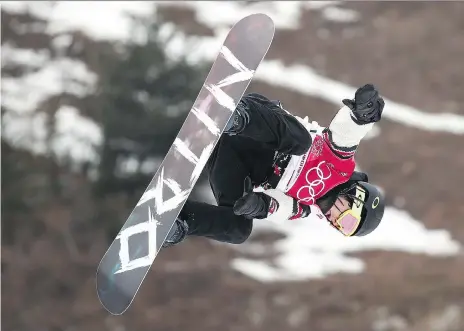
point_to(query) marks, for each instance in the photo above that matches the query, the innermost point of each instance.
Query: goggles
(348, 221)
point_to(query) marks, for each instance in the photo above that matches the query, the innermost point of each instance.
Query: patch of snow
(337, 14)
(62, 41)
(40, 9)
(286, 14)
(24, 126)
(23, 57)
(25, 93)
(195, 49)
(312, 249)
(28, 132)
(316, 5)
(449, 319)
(217, 13)
(76, 137)
(385, 321)
(108, 20)
(150, 165)
(301, 78)
(130, 164)
(305, 80)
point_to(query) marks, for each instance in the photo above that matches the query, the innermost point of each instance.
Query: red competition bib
(320, 170)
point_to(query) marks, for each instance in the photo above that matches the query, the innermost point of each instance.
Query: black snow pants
(250, 153)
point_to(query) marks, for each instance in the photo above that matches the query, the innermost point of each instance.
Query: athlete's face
(341, 205)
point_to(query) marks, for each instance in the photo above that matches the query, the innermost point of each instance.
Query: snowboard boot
(239, 120)
(177, 234)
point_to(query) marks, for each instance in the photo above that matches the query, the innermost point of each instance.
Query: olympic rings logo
(316, 186)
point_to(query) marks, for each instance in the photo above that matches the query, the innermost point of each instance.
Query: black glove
(272, 204)
(252, 204)
(367, 105)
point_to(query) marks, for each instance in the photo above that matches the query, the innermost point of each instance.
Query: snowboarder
(274, 166)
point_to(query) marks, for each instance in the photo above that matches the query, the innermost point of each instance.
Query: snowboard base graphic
(131, 254)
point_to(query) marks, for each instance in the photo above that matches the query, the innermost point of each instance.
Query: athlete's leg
(233, 159)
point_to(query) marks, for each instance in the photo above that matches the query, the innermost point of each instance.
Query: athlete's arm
(354, 121)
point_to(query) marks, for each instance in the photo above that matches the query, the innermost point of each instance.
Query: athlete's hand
(252, 204)
(367, 105)
(273, 205)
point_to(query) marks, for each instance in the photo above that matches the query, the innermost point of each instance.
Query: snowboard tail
(129, 257)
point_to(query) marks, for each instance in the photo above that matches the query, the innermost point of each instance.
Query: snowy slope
(304, 241)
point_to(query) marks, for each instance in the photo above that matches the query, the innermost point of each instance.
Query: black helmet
(371, 204)
(366, 199)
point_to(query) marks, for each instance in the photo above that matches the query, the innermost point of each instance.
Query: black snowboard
(130, 256)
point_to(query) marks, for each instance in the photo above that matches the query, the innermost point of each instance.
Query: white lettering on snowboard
(243, 74)
(150, 227)
(181, 146)
(156, 193)
(207, 121)
(199, 162)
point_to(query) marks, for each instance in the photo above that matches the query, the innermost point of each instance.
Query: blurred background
(93, 94)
